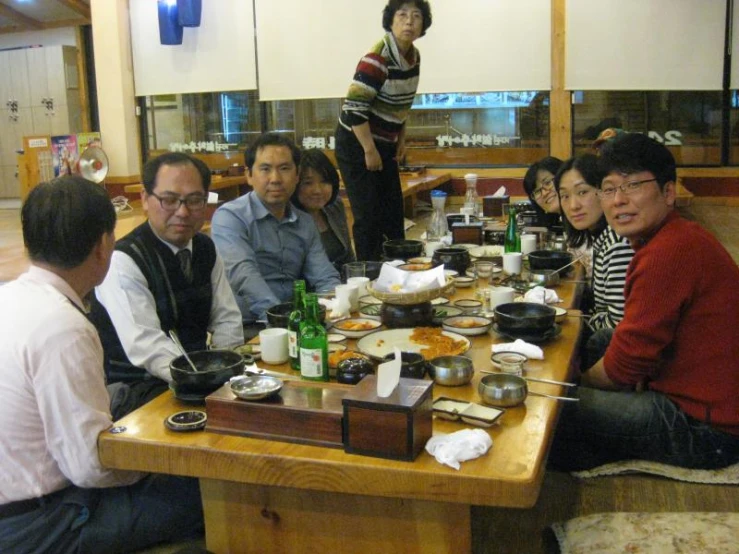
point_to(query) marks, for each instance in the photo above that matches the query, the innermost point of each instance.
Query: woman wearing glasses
(539, 185)
(585, 225)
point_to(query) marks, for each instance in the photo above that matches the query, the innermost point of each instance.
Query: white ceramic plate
(344, 326)
(463, 282)
(368, 299)
(335, 337)
(381, 343)
(440, 301)
(466, 325)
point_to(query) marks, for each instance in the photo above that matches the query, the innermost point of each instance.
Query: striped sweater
(382, 91)
(611, 257)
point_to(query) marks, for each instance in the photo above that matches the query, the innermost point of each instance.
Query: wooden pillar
(115, 89)
(560, 104)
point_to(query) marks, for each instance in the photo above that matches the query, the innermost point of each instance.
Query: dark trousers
(375, 196)
(159, 508)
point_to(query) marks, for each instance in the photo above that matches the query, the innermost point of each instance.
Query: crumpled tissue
(540, 295)
(337, 308)
(459, 446)
(531, 351)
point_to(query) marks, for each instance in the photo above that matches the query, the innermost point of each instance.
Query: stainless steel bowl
(503, 390)
(255, 387)
(452, 371)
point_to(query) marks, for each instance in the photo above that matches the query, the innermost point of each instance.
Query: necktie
(185, 258)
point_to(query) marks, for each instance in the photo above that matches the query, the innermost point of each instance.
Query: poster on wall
(85, 140)
(64, 154)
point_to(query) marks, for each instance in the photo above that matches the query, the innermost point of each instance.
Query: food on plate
(335, 357)
(466, 323)
(356, 325)
(437, 344)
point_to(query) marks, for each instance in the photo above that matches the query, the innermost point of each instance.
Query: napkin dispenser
(396, 427)
(492, 206)
(467, 233)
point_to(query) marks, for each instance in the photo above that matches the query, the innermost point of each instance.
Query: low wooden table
(270, 496)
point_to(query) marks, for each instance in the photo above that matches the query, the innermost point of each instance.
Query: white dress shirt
(53, 400)
(131, 306)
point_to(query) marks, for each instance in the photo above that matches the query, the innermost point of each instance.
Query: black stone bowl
(396, 316)
(457, 259)
(524, 318)
(352, 370)
(412, 364)
(401, 249)
(549, 259)
(278, 316)
(215, 367)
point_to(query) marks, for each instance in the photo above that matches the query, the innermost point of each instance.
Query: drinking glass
(483, 271)
(354, 269)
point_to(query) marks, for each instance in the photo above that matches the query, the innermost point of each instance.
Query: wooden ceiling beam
(23, 21)
(78, 6)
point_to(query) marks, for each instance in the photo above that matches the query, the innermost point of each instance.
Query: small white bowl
(335, 337)
(466, 324)
(450, 273)
(363, 326)
(371, 311)
(559, 313)
(368, 300)
(463, 282)
(468, 304)
(440, 301)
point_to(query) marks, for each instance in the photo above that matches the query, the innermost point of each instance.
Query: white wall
(64, 36)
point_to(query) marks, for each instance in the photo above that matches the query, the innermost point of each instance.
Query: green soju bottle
(512, 238)
(313, 343)
(293, 324)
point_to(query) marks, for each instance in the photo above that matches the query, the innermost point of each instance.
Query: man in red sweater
(667, 388)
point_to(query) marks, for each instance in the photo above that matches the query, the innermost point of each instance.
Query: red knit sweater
(680, 329)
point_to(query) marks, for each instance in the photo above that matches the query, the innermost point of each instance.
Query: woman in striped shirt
(370, 137)
(576, 183)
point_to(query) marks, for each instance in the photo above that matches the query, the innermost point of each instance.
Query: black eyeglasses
(172, 203)
(547, 183)
(608, 192)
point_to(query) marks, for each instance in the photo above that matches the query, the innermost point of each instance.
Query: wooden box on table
(303, 412)
(396, 427)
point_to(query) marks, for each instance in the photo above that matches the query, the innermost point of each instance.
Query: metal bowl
(544, 277)
(503, 390)
(452, 371)
(255, 387)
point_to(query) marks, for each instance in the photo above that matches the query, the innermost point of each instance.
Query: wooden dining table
(271, 496)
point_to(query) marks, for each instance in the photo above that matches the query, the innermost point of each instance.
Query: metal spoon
(569, 264)
(565, 398)
(539, 379)
(176, 340)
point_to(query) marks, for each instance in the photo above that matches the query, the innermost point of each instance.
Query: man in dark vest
(164, 276)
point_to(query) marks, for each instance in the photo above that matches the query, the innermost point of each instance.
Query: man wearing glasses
(667, 388)
(165, 275)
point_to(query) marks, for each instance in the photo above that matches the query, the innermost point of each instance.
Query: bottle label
(311, 362)
(292, 344)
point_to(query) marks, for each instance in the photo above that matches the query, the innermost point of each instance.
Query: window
(688, 122)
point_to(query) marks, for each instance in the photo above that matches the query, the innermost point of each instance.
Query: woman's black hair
(552, 165)
(388, 13)
(587, 166)
(317, 161)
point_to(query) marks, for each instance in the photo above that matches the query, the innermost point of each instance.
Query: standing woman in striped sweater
(585, 225)
(370, 137)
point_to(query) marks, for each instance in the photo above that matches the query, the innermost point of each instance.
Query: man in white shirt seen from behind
(55, 496)
(149, 292)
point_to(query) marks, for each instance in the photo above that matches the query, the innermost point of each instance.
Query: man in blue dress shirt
(266, 243)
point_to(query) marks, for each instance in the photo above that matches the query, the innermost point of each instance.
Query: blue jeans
(158, 508)
(608, 426)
